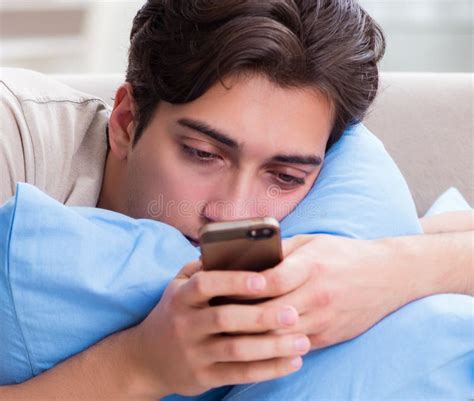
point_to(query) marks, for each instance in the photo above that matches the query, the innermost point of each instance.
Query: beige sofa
(425, 121)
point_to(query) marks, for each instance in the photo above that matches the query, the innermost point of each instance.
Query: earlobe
(122, 122)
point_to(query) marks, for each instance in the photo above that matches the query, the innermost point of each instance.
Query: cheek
(173, 190)
(284, 203)
(272, 201)
(284, 206)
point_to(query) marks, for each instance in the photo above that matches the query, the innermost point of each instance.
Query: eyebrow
(299, 159)
(215, 134)
(205, 129)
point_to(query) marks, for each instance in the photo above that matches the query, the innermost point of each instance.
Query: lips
(193, 241)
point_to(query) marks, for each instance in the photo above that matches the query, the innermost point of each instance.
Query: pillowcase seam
(12, 298)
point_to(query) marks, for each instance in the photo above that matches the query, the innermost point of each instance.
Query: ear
(122, 122)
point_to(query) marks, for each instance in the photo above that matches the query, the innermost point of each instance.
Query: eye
(199, 155)
(289, 180)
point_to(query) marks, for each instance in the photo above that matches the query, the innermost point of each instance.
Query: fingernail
(296, 362)
(256, 283)
(287, 317)
(301, 344)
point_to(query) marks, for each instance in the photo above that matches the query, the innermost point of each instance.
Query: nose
(234, 200)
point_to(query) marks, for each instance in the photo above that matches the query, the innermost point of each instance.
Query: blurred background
(84, 36)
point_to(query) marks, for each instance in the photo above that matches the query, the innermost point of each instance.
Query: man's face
(251, 150)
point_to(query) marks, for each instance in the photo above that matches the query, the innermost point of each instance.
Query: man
(223, 102)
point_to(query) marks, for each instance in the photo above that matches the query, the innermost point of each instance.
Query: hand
(448, 222)
(340, 287)
(180, 347)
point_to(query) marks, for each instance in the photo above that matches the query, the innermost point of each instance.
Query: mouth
(193, 241)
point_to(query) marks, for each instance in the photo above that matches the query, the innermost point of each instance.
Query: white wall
(425, 35)
(108, 28)
(66, 36)
(92, 36)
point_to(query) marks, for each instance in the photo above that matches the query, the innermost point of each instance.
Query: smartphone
(252, 245)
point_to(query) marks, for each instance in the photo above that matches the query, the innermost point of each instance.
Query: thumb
(189, 269)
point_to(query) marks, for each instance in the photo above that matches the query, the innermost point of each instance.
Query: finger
(204, 285)
(290, 244)
(307, 298)
(250, 372)
(189, 269)
(310, 324)
(287, 276)
(245, 318)
(258, 347)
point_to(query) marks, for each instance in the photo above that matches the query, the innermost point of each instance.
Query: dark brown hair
(180, 48)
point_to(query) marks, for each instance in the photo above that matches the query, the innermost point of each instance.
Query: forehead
(255, 110)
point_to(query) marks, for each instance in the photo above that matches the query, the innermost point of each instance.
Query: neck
(111, 186)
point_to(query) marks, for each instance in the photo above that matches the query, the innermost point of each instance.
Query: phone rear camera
(261, 233)
(267, 232)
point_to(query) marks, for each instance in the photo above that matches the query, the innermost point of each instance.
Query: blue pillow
(423, 352)
(360, 193)
(71, 276)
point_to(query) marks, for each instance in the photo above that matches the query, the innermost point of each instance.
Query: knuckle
(279, 281)
(323, 296)
(172, 298)
(220, 319)
(327, 296)
(319, 269)
(199, 282)
(235, 350)
(262, 317)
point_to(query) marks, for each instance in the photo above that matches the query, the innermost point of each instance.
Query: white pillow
(450, 201)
